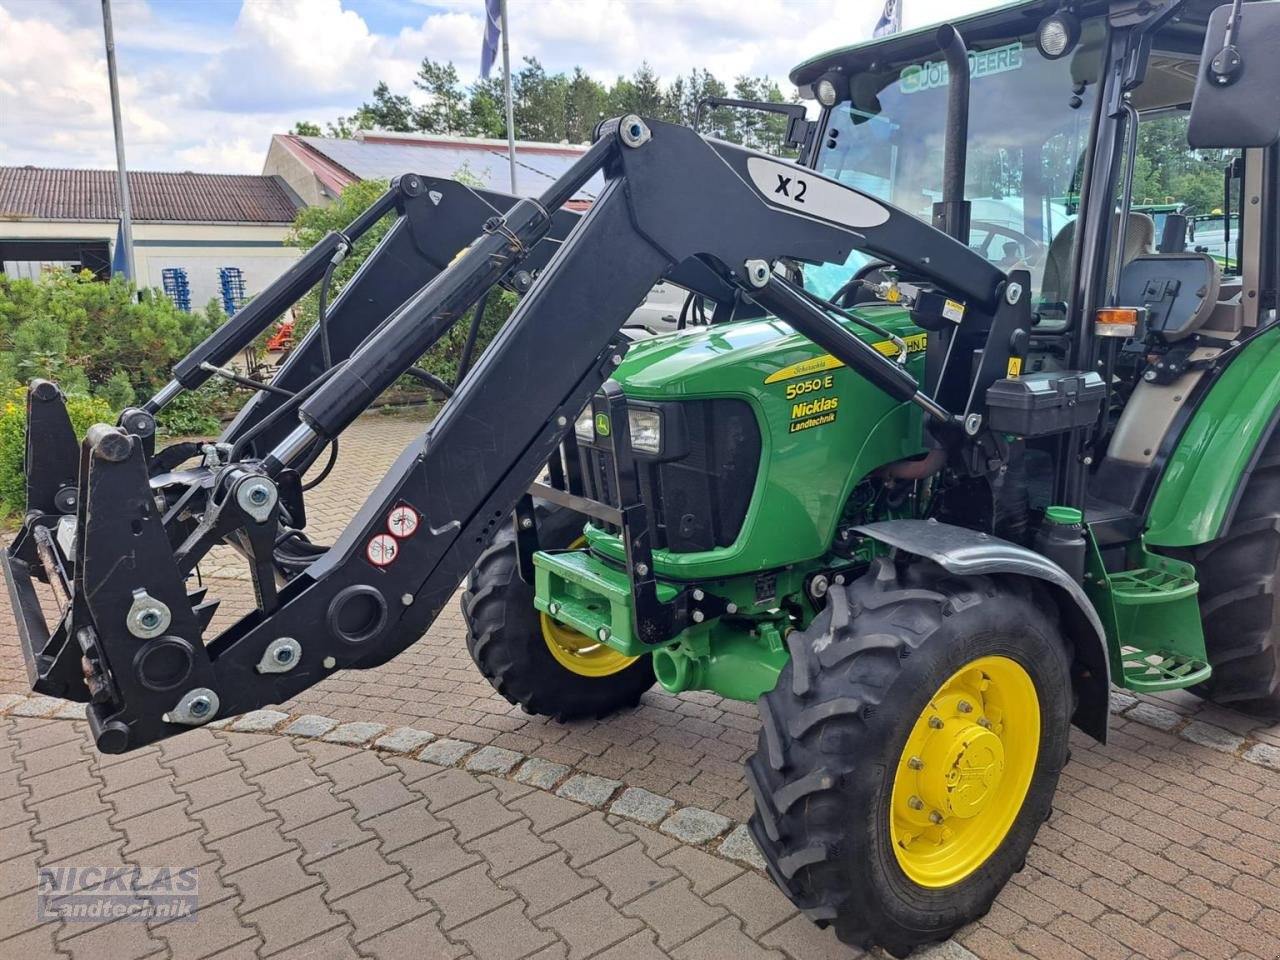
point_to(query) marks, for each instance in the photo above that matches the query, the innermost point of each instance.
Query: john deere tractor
(947, 442)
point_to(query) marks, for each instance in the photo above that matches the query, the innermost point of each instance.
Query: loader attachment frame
(671, 198)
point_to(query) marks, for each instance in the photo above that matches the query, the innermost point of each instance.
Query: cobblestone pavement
(1165, 843)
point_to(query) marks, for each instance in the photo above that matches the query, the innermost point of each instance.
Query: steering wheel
(853, 292)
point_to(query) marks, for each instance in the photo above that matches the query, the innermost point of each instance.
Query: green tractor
(935, 457)
(916, 672)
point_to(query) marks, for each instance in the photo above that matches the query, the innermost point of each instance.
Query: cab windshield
(1029, 127)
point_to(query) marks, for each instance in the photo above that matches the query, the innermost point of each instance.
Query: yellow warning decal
(805, 368)
(1015, 368)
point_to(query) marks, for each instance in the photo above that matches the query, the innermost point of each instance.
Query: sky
(205, 83)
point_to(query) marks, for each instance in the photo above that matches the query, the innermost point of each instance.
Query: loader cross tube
(670, 198)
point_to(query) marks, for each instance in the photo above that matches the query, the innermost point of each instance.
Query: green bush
(93, 337)
(200, 412)
(84, 411)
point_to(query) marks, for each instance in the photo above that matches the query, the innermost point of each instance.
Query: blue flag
(119, 262)
(492, 30)
(890, 20)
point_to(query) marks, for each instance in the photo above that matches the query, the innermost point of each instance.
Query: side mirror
(1236, 103)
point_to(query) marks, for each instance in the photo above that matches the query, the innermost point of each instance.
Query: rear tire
(506, 640)
(844, 725)
(1238, 602)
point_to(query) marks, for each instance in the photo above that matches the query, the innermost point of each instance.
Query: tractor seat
(1139, 239)
(1178, 290)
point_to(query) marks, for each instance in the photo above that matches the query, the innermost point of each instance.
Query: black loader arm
(670, 197)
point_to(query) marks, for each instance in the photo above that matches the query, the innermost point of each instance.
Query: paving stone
(259, 721)
(445, 752)
(1121, 701)
(1210, 736)
(381, 906)
(638, 946)
(465, 895)
(10, 700)
(503, 934)
(216, 928)
(477, 816)
(589, 924)
(694, 825)
(254, 845)
(635, 803)
(1153, 716)
(354, 733)
(270, 880)
(404, 825)
(724, 941)
(547, 884)
(353, 868)
(310, 725)
(420, 937)
(511, 848)
(544, 774)
(293, 919)
(372, 799)
(674, 913)
(589, 789)
(404, 740)
(71, 711)
(1264, 754)
(306, 806)
(433, 859)
(493, 760)
(35, 707)
(326, 837)
(587, 838)
(739, 845)
(757, 902)
(704, 871)
(629, 873)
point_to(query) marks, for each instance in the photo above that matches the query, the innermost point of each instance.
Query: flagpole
(506, 80)
(126, 219)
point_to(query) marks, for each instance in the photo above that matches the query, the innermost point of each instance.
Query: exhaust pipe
(951, 215)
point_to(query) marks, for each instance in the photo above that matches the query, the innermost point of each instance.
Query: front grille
(696, 501)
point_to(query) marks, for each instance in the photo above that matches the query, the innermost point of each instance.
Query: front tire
(536, 663)
(910, 752)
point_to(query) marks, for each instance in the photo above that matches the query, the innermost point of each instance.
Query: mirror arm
(1225, 67)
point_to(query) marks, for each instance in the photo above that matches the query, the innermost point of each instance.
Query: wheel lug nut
(984, 722)
(935, 723)
(915, 803)
(964, 706)
(935, 816)
(915, 763)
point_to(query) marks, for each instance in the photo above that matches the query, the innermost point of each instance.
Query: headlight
(826, 92)
(584, 427)
(1057, 35)
(646, 430)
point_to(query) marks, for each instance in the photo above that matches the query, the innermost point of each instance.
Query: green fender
(1197, 493)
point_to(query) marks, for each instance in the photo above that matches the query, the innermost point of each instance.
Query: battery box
(1040, 404)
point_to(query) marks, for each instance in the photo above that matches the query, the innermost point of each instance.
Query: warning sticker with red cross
(402, 521)
(382, 549)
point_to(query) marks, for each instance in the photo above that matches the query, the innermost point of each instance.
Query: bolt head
(698, 616)
(406, 599)
(329, 663)
(984, 722)
(603, 634)
(915, 803)
(526, 523)
(149, 618)
(642, 569)
(915, 763)
(284, 654)
(561, 422)
(730, 608)
(935, 817)
(698, 594)
(935, 723)
(553, 608)
(964, 706)
(200, 706)
(258, 495)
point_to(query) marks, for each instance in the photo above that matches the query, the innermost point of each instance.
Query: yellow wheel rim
(577, 652)
(964, 772)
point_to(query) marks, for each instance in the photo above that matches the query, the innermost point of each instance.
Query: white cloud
(209, 99)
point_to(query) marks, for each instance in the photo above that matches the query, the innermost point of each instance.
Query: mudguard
(966, 552)
(1205, 476)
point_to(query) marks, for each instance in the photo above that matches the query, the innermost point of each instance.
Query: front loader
(959, 448)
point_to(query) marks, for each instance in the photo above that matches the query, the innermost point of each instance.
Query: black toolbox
(1040, 404)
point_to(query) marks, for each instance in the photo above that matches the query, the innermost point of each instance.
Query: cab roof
(1007, 20)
